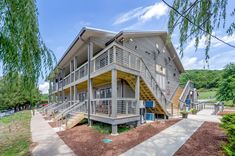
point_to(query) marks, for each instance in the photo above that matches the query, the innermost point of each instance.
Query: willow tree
(197, 19)
(21, 47)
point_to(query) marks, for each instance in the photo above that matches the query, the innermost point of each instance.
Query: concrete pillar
(114, 130)
(114, 93)
(89, 84)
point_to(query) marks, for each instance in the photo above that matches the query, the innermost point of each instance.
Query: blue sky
(60, 21)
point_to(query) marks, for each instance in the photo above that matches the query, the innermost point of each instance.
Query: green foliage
(107, 129)
(202, 78)
(21, 47)
(200, 18)
(13, 93)
(226, 89)
(15, 135)
(228, 123)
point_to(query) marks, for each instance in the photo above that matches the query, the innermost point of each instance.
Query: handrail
(187, 86)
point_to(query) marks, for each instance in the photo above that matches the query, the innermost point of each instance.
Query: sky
(60, 22)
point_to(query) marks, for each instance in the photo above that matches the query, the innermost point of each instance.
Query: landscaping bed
(207, 140)
(87, 141)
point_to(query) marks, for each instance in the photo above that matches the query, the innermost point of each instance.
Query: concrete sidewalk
(168, 141)
(49, 143)
(205, 115)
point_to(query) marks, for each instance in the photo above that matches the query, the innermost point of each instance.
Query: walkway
(49, 143)
(167, 142)
(205, 115)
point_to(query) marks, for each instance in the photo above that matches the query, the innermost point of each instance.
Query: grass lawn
(207, 94)
(15, 135)
(210, 94)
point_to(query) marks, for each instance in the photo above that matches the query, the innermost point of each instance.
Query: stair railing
(81, 107)
(138, 64)
(185, 93)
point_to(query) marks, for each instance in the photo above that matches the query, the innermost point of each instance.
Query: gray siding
(147, 48)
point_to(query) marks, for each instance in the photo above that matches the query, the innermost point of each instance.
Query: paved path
(205, 115)
(49, 143)
(168, 141)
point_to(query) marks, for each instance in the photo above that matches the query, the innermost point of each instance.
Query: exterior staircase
(145, 92)
(175, 101)
(74, 120)
(72, 115)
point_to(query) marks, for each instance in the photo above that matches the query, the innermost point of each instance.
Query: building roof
(87, 32)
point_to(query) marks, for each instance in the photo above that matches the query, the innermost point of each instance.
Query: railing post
(114, 54)
(108, 56)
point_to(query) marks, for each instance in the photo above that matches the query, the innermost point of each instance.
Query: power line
(233, 46)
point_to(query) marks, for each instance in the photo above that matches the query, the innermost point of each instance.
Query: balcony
(123, 59)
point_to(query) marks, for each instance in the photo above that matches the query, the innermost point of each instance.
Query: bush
(228, 123)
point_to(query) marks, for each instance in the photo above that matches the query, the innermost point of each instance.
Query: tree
(13, 93)
(21, 47)
(226, 89)
(197, 19)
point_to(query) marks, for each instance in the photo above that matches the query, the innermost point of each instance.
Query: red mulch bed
(206, 141)
(85, 141)
(226, 112)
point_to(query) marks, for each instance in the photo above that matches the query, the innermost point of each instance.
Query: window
(160, 69)
(105, 93)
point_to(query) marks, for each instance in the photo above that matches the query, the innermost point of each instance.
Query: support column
(114, 93)
(89, 84)
(58, 91)
(74, 87)
(137, 97)
(63, 85)
(114, 130)
(70, 81)
(114, 101)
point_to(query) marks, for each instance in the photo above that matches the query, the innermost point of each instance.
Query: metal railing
(101, 106)
(185, 93)
(126, 106)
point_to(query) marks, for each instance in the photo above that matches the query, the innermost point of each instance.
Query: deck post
(70, 82)
(89, 84)
(62, 85)
(58, 84)
(114, 130)
(114, 93)
(74, 87)
(137, 96)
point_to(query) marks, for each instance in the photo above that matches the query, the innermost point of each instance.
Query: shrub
(228, 123)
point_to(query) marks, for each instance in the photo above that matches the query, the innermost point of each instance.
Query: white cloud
(44, 87)
(214, 42)
(155, 11)
(192, 63)
(143, 14)
(217, 61)
(130, 15)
